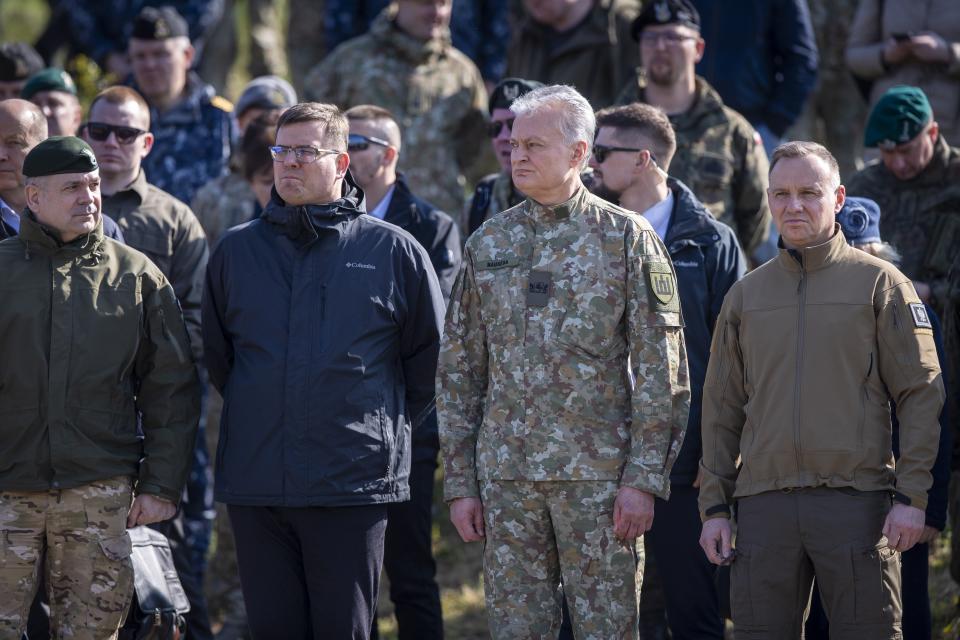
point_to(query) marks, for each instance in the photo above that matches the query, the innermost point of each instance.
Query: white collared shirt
(9, 216)
(659, 215)
(380, 211)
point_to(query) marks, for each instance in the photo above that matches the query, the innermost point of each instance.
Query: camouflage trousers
(83, 532)
(539, 533)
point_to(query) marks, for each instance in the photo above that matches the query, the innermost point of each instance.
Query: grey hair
(577, 120)
(882, 250)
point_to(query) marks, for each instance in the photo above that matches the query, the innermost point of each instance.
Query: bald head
(22, 127)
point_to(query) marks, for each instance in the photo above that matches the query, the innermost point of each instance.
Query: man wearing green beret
(54, 91)
(99, 401)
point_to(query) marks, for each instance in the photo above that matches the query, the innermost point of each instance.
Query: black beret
(509, 90)
(660, 12)
(18, 61)
(59, 154)
(159, 23)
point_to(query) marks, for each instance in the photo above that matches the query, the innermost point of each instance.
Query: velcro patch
(538, 288)
(662, 287)
(920, 318)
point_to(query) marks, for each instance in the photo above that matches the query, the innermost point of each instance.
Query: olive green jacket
(96, 378)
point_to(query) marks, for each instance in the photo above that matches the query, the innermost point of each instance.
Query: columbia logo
(360, 265)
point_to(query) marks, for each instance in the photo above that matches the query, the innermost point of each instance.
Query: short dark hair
(336, 127)
(645, 120)
(802, 149)
(119, 94)
(259, 135)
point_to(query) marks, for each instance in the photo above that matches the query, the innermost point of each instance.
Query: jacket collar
(136, 189)
(690, 221)
(816, 257)
(300, 223)
(42, 239)
(706, 104)
(385, 30)
(561, 211)
(403, 208)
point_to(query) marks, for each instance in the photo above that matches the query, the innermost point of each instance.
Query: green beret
(898, 117)
(50, 79)
(59, 154)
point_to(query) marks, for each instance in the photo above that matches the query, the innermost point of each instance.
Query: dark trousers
(917, 622)
(408, 556)
(310, 572)
(785, 539)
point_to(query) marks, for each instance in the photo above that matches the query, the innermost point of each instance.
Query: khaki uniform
(596, 58)
(921, 216)
(720, 157)
(436, 94)
(562, 377)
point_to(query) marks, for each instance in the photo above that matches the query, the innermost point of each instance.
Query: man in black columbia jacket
(634, 145)
(321, 330)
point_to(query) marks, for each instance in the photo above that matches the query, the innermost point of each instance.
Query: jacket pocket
(876, 577)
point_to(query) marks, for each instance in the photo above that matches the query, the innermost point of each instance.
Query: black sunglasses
(100, 131)
(494, 128)
(600, 152)
(357, 142)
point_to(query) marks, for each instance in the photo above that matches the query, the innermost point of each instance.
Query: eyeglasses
(494, 128)
(304, 155)
(668, 39)
(357, 142)
(100, 131)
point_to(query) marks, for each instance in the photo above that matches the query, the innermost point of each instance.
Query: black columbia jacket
(321, 329)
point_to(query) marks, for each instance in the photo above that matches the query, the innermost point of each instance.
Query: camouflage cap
(266, 92)
(508, 90)
(59, 154)
(50, 79)
(159, 23)
(898, 117)
(860, 220)
(661, 12)
(18, 61)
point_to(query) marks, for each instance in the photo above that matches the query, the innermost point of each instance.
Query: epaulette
(221, 103)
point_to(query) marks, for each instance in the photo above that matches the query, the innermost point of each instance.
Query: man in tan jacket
(807, 353)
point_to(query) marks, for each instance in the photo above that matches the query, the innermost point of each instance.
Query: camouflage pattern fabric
(921, 216)
(540, 532)
(720, 157)
(192, 141)
(83, 531)
(306, 43)
(434, 91)
(223, 203)
(533, 383)
(493, 194)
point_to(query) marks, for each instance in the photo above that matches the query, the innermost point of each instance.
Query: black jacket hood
(299, 223)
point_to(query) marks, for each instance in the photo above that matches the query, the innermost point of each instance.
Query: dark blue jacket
(761, 56)
(708, 260)
(321, 330)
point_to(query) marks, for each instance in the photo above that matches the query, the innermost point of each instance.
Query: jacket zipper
(802, 293)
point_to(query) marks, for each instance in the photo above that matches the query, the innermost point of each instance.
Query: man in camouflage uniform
(720, 157)
(562, 387)
(193, 128)
(407, 65)
(101, 402)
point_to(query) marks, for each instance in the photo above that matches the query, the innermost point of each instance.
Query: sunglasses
(494, 128)
(357, 142)
(600, 152)
(100, 131)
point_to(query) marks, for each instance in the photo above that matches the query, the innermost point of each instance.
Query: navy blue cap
(860, 220)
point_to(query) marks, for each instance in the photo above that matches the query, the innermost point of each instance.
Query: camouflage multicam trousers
(539, 533)
(83, 532)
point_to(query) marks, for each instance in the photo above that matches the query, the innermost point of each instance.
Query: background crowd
(182, 135)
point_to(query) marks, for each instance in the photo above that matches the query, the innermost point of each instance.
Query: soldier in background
(193, 128)
(719, 155)
(406, 64)
(496, 192)
(54, 91)
(18, 61)
(562, 387)
(917, 185)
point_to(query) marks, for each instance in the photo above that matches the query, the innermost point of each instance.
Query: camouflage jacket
(563, 355)
(192, 141)
(160, 226)
(223, 203)
(434, 91)
(921, 216)
(721, 159)
(493, 194)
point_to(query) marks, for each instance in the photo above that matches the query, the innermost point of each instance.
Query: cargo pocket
(876, 577)
(741, 600)
(111, 585)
